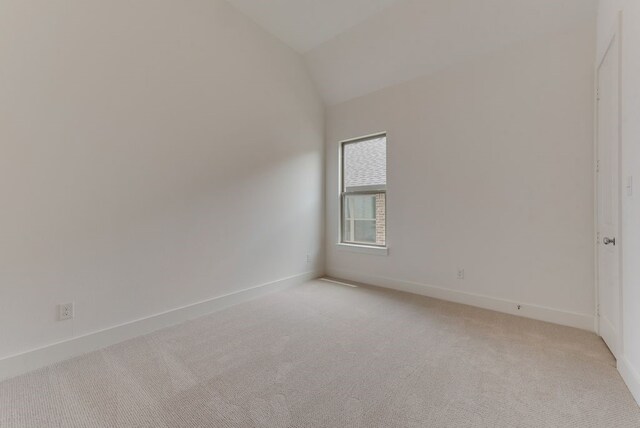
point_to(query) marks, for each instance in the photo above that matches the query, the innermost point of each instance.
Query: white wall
(629, 362)
(490, 169)
(154, 153)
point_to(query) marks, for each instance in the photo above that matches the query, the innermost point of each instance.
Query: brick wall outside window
(380, 219)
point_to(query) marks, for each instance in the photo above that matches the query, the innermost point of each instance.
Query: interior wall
(490, 170)
(154, 154)
(629, 362)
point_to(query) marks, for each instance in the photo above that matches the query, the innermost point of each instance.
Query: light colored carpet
(328, 355)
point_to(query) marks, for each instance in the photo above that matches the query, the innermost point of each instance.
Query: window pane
(347, 235)
(365, 164)
(361, 207)
(364, 219)
(365, 231)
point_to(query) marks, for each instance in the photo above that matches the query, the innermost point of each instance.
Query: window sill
(363, 249)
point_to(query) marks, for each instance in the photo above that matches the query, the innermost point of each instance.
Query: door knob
(608, 241)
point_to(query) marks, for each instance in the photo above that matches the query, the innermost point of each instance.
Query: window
(363, 191)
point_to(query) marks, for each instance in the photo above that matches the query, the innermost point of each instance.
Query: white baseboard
(631, 377)
(556, 316)
(24, 362)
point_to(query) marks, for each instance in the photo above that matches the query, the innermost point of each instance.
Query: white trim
(620, 345)
(333, 281)
(30, 360)
(340, 177)
(370, 188)
(631, 377)
(552, 315)
(363, 249)
(365, 137)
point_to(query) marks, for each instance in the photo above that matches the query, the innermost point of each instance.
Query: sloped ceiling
(305, 24)
(354, 47)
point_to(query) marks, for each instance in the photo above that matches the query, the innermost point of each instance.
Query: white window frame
(364, 248)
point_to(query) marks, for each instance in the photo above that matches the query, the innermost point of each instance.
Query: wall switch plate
(65, 311)
(629, 186)
(460, 273)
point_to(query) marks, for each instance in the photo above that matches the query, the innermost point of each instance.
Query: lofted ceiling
(354, 47)
(305, 24)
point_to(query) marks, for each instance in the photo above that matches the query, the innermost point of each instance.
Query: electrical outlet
(65, 311)
(460, 273)
(308, 258)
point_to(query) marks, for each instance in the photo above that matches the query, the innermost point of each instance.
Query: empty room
(320, 213)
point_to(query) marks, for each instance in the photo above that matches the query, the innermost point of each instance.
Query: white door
(608, 152)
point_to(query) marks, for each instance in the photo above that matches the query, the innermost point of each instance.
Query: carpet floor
(330, 355)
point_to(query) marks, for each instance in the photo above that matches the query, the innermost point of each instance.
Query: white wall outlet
(308, 258)
(65, 311)
(460, 273)
(629, 186)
